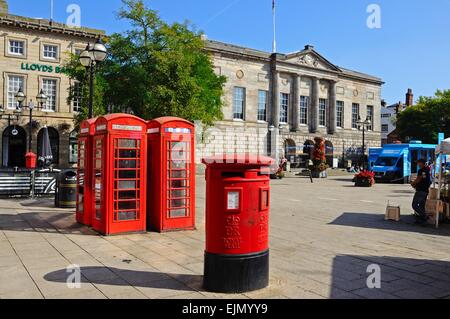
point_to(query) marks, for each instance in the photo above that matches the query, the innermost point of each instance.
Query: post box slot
(233, 174)
(126, 179)
(178, 195)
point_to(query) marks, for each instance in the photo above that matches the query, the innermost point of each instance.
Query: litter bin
(237, 223)
(66, 189)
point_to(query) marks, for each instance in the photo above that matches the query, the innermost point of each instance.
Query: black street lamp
(41, 99)
(89, 58)
(10, 117)
(364, 125)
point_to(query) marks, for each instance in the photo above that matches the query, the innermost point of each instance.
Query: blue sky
(412, 48)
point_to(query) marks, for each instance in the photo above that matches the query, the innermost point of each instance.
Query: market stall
(441, 177)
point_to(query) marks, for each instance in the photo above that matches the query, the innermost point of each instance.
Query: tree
(156, 69)
(430, 116)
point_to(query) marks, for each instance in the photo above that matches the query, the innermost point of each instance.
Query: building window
(50, 51)
(15, 82)
(49, 88)
(340, 114)
(370, 117)
(73, 147)
(16, 47)
(304, 105)
(386, 115)
(355, 115)
(322, 112)
(284, 105)
(385, 128)
(238, 103)
(77, 94)
(262, 106)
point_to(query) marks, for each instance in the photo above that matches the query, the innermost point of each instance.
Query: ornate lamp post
(89, 58)
(41, 99)
(363, 125)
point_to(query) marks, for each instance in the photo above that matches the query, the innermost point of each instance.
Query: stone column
(275, 99)
(295, 103)
(314, 112)
(332, 108)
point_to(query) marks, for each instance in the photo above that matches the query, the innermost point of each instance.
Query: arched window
(308, 149)
(54, 143)
(73, 147)
(14, 144)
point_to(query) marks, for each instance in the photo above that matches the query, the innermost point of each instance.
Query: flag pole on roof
(274, 43)
(51, 10)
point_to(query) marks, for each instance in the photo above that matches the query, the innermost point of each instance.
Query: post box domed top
(169, 120)
(120, 122)
(87, 127)
(247, 160)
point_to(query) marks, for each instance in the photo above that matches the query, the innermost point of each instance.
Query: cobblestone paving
(323, 238)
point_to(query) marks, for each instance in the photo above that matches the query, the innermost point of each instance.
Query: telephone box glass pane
(178, 157)
(127, 179)
(98, 187)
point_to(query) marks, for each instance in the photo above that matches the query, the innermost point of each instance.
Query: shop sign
(42, 68)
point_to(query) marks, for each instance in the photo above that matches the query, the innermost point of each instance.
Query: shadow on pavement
(39, 203)
(43, 222)
(377, 221)
(403, 278)
(126, 277)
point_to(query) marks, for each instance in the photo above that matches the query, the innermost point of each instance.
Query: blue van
(398, 162)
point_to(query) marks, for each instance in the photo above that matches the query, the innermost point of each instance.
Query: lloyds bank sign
(42, 68)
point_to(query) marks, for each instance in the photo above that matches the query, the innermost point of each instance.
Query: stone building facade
(276, 104)
(32, 55)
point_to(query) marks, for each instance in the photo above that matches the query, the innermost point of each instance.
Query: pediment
(312, 59)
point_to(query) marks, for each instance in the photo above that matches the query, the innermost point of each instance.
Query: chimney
(409, 98)
(3, 7)
(309, 47)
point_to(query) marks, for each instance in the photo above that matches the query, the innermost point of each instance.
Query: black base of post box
(236, 273)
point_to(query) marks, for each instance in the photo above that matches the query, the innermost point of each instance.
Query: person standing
(422, 185)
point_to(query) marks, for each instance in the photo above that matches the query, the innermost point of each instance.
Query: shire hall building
(277, 104)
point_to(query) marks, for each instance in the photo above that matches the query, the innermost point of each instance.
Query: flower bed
(365, 179)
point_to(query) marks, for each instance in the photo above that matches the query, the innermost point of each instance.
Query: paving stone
(319, 249)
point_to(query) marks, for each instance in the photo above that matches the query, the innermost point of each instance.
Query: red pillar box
(120, 155)
(85, 198)
(30, 160)
(171, 174)
(237, 223)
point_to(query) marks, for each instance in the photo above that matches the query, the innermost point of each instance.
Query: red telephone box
(237, 223)
(120, 150)
(85, 199)
(171, 174)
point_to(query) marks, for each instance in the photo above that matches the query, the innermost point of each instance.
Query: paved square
(323, 238)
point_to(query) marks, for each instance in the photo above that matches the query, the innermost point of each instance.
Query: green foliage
(155, 69)
(430, 116)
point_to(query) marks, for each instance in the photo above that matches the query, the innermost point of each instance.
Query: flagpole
(51, 10)
(274, 43)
